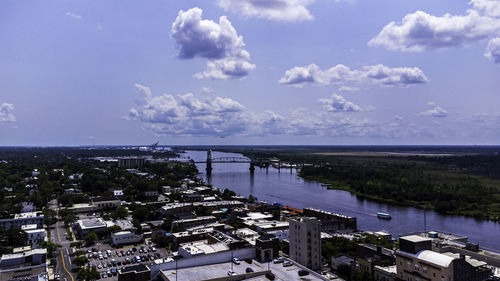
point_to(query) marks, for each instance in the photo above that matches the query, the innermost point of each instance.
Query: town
(135, 215)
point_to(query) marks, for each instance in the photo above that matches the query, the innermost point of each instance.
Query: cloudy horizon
(223, 72)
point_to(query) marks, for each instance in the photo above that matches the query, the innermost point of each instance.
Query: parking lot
(109, 260)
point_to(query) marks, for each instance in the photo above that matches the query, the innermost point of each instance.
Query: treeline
(409, 184)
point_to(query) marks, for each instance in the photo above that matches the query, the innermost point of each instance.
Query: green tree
(113, 229)
(119, 213)
(90, 237)
(77, 244)
(80, 261)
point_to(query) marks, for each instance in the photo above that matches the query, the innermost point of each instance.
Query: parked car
(278, 260)
(248, 270)
(303, 272)
(236, 261)
(231, 273)
(270, 276)
(287, 263)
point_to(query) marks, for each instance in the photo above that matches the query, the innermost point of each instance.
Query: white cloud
(434, 111)
(348, 89)
(217, 42)
(186, 115)
(281, 10)
(337, 103)
(206, 90)
(421, 31)
(493, 50)
(73, 16)
(340, 74)
(228, 68)
(6, 113)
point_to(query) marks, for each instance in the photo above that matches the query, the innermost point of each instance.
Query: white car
(231, 273)
(236, 261)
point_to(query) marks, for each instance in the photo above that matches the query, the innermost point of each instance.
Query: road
(58, 236)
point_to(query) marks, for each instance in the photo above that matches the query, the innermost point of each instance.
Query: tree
(77, 244)
(119, 213)
(88, 274)
(90, 237)
(80, 260)
(113, 229)
(16, 237)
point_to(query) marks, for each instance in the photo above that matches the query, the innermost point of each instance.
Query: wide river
(287, 188)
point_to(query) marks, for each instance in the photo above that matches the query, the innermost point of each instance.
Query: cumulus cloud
(337, 103)
(340, 74)
(206, 90)
(73, 16)
(434, 111)
(217, 42)
(186, 115)
(6, 113)
(281, 10)
(228, 68)
(421, 31)
(493, 50)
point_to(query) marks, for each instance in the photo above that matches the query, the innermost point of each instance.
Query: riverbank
(423, 205)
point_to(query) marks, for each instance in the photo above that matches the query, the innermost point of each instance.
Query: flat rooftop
(91, 223)
(415, 238)
(220, 270)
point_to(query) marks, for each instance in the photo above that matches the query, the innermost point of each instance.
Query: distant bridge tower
(252, 163)
(209, 161)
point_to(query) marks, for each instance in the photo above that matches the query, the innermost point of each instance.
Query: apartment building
(305, 241)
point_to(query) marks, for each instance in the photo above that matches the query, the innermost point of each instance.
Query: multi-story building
(131, 162)
(331, 222)
(24, 265)
(185, 223)
(35, 235)
(21, 219)
(305, 241)
(415, 261)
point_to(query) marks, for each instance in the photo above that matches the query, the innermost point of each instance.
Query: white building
(35, 235)
(22, 219)
(25, 265)
(305, 242)
(125, 237)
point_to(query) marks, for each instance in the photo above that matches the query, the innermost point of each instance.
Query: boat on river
(384, 216)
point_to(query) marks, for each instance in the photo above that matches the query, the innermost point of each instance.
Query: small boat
(383, 216)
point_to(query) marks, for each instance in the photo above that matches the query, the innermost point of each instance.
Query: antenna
(425, 220)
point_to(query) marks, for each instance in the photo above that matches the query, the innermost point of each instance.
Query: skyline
(250, 72)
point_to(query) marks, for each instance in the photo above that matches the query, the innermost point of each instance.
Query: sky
(224, 72)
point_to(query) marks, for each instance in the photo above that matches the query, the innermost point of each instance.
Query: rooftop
(26, 215)
(91, 223)
(415, 238)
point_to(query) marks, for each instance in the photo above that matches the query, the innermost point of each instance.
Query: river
(287, 188)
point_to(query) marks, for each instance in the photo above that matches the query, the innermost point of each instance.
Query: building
(416, 261)
(125, 237)
(177, 209)
(267, 247)
(385, 273)
(331, 222)
(90, 225)
(131, 162)
(104, 203)
(305, 241)
(24, 265)
(185, 223)
(18, 220)
(35, 235)
(138, 272)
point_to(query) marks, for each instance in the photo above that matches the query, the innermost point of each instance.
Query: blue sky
(249, 72)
